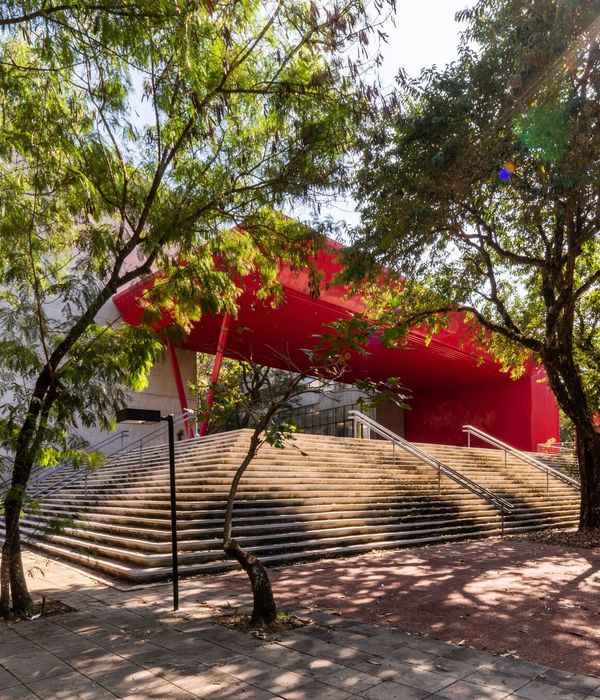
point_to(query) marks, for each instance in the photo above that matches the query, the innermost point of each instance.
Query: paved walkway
(535, 601)
(128, 644)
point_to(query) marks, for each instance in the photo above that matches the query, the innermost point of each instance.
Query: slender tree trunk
(5, 607)
(14, 594)
(264, 611)
(588, 453)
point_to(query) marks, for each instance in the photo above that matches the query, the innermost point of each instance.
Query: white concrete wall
(161, 394)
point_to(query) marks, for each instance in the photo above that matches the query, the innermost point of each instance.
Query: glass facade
(334, 421)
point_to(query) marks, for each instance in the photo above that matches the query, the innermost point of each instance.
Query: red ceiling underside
(268, 336)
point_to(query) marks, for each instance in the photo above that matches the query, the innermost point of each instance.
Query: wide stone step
(192, 508)
(282, 517)
(250, 510)
(194, 529)
(251, 529)
(211, 541)
(143, 559)
(342, 496)
(263, 483)
(161, 573)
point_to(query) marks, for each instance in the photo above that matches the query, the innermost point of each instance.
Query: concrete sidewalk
(128, 644)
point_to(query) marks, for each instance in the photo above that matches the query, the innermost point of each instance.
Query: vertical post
(173, 489)
(468, 438)
(505, 455)
(439, 481)
(547, 481)
(393, 453)
(214, 377)
(176, 369)
(502, 515)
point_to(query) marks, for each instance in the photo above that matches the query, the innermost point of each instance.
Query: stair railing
(138, 444)
(41, 474)
(522, 456)
(501, 504)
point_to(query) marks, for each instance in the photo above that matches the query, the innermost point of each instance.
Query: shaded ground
(589, 539)
(534, 601)
(128, 643)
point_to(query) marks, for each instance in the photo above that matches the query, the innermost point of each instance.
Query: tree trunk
(264, 612)
(14, 594)
(588, 454)
(565, 380)
(5, 611)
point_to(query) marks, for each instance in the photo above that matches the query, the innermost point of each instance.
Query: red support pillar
(180, 387)
(214, 377)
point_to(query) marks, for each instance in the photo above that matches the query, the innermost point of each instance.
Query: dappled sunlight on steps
(341, 496)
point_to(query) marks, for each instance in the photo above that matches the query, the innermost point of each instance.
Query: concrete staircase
(341, 496)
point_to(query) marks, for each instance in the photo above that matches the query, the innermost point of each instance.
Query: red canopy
(447, 369)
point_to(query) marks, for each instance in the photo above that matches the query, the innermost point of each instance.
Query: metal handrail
(501, 504)
(524, 457)
(43, 473)
(136, 444)
(556, 448)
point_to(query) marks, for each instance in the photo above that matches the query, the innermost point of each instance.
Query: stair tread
(343, 496)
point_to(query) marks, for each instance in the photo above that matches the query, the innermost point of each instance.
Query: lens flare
(506, 172)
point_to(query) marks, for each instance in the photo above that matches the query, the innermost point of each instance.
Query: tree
(261, 397)
(267, 394)
(239, 392)
(136, 136)
(482, 192)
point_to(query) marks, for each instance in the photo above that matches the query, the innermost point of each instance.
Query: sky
(424, 33)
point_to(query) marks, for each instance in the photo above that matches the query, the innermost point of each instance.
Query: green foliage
(252, 396)
(245, 392)
(143, 136)
(518, 253)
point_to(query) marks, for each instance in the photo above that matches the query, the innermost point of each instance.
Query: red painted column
(214, 377)
(176, 369)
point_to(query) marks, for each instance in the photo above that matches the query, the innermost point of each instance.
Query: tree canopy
(140, 136)
(482, 191)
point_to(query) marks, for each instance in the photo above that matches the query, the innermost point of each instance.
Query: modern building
(450, 382)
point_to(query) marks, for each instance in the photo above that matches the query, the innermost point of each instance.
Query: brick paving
(128, 644)
(537, 602)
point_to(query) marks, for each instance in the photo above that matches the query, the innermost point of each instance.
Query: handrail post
(547, 482)
(468, 438)
(394, 453)
(502, 526)
(499, 503)
(522, 456)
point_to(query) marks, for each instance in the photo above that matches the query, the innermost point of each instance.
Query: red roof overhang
(269, 335)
